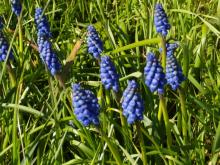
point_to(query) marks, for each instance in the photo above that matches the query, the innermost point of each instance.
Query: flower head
(95, 45)
(47, 54)
(4, 48)
(161, 20)
(86, 107)
(42, 23)
(174, 74)
(109, 76)
(132, 104)
(154, 75)
(16, 6)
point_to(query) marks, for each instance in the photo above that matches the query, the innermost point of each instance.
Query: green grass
(37, 124)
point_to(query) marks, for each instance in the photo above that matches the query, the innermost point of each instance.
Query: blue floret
(95, 45)
(47, 54)
(132, 104)
(4, 48)
(16, 6)
(174, 74)
(86, 107)
(43, 27)
(154, 75)
(108, 73)
(161, 20)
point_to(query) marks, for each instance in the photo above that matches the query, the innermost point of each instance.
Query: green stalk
(160, 113)
(20, 39)
(11, 74)
(164, 52)
(166, 121)
(140, 136)
(162, 105)
(112, 148)
(184, 114)
(15, 139)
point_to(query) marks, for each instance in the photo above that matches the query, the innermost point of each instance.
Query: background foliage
(37, 125)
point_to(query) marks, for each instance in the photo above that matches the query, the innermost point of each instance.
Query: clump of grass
(37, 120)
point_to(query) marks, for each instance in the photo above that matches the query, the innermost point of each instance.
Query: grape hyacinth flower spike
(161, 20)
(4, 45)
(47, 54)
(108, 73)
(174, 74)
(132, 103)
(154, 75)
(86, 107)
(42, 24)
(95, 45)
(16, 6)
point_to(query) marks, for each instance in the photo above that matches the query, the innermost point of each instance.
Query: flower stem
(166, 121)
(164, 52)
(20, 38)
(140, 136)
(162, 106)
(184, 114)
(112, 148)
(11, 74)
(160, 112)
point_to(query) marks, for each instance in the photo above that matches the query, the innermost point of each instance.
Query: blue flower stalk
(4, 52)
(95, 45)
(47, 54)
(108, 74)
(175, 77)
(4, 48)
(161, 20)
(16, 6)
(132, 103)
(174, 74)
(154, 75)
(42, 24)
(86, 107)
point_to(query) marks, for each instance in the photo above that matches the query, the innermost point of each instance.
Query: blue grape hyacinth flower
(43, 27)
(47, 54)
(160, 20)
(132, 103)
(95, 45)
(16, 6)
(174, 74)
(50, 58)
(86, 107)
(4, 48)
(154, 75)
(108, 74)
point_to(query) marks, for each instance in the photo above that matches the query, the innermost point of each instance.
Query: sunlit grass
(37, 124)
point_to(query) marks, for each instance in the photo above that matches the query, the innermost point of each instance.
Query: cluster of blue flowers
(161, 20)
(154, 75)
(42, 24)
(16, 6)
(174, 74)
(95, 45)
(4, 45)
(86, 107)
(108, 73)
(45, 47)
(132, 104)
